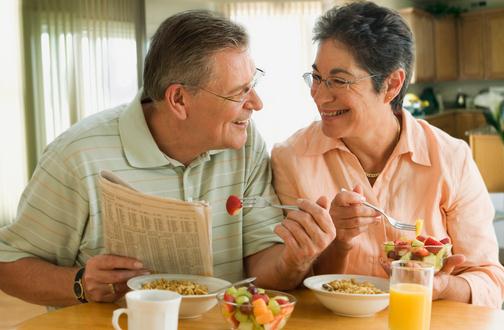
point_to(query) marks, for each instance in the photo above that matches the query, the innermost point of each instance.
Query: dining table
(309, 313)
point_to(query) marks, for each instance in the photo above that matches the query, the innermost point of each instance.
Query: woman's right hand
(350, 216)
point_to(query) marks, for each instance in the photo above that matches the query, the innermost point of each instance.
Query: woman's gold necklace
(376, 174)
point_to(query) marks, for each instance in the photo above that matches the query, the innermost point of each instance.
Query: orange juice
(410, 307)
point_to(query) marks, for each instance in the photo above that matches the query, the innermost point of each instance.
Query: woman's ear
(393, 84)
(175, 98)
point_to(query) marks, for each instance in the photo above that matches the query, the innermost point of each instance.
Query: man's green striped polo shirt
(59, 213)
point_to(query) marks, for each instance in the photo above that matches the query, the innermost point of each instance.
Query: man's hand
(350, 217)
(106, 276)
(306, 233)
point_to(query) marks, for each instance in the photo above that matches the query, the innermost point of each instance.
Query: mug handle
(116, 315)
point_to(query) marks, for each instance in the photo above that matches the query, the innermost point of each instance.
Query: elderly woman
(367, 144)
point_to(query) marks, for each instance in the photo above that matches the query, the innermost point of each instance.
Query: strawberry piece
(432, 241)
(432, 245)
(233, 205)
(282, 301)
(421, 238)
(445, 240)
(399, 242)
(261, 296)
(230, 299)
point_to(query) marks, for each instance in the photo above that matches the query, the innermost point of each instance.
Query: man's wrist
(78, 286)
(341, 246)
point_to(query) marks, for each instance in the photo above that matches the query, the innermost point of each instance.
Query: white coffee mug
(150, 309)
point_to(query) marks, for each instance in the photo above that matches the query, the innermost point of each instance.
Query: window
(281, 34)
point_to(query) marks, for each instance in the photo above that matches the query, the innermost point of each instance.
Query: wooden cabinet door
(421, 24)
(467, 121)
(446, 48)
(471, 47)
(494, 50)
(445, 122)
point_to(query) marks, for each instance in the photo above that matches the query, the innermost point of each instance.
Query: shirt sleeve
(51, 216)
(470, 225)
(259, 223)
(284, 175)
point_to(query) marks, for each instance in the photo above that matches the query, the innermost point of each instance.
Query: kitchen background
(54, 73)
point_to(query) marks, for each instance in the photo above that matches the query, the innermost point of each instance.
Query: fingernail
(362, 198)
(299, 200)
(138, 264)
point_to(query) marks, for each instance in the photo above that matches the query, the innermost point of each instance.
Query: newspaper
(167, 235)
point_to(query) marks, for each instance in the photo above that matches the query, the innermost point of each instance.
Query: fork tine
(405, 226)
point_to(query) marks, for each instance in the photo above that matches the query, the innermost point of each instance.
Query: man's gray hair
(181, 50)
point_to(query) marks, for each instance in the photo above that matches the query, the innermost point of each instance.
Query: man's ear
(393, 84)
(175, 97)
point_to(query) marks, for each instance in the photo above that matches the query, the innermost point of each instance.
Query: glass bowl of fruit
(426, 249)
(253, 308)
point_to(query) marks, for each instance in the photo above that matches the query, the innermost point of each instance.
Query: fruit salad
(233, 205)
(253, 308)
(426, 249)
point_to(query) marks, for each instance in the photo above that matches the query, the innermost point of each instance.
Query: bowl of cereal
(198, 292)
(350, 295)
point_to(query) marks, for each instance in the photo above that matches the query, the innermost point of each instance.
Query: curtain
(281, 44)
(82, 56)
(13, 169)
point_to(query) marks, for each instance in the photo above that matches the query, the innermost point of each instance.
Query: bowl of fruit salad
(252, 308)
(350, 295)
(426, 249)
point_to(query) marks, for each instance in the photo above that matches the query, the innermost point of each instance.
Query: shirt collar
(412, 140)
(139, 146)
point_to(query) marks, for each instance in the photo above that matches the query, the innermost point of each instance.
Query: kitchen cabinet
(445, 48)
(488, 154)
(457, 122)
(422, 26)
(436, 47)
(481, 44)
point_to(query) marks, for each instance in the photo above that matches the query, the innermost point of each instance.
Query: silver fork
(258, 201)
(392, 221)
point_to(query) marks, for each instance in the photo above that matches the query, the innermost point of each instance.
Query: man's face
(218, 123)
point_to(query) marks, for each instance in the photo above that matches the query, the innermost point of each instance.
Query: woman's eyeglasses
(313, 80)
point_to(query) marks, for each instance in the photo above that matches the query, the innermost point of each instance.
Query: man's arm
(271, 271)
(40, 282)
(306, 234)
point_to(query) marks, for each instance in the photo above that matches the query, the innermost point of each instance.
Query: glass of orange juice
(410, 295)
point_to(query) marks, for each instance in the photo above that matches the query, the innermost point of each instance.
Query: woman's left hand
(443, 277)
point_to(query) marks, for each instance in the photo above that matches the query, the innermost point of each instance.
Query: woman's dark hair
(378, 38)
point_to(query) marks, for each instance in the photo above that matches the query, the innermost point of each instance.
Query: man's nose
(254, 102)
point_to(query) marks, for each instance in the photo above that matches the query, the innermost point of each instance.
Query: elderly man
(188, 135)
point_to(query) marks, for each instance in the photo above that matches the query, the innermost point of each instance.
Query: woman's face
(349, 106)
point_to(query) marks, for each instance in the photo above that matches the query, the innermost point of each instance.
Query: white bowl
(190, 306)
(347, 304)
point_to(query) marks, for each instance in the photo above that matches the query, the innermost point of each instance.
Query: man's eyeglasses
(240, 97)
(314, 80)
